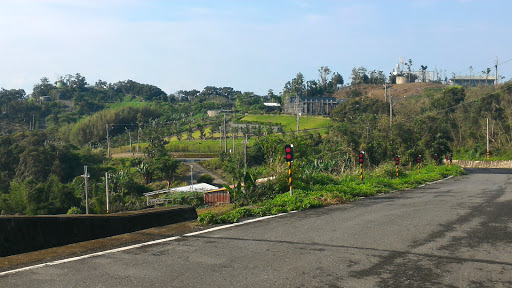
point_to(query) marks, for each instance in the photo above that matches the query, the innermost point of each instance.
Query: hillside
(399, 91)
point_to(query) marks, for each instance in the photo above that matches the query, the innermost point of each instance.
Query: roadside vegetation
(323, 190)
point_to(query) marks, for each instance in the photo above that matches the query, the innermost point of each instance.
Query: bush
(205, 178)
(74, 210)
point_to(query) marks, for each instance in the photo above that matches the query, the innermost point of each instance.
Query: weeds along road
(456, 233)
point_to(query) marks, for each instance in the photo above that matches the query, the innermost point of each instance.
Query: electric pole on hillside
(245, 155)
(86, 175)
(108, 142)
(106, 190)
(225, 140)
(129, 136)
(220, 138)
(390, 109)
(192, 178)
(496, 75)
(138, 138)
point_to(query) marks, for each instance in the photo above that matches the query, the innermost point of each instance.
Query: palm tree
(486, 72)
(423, 69)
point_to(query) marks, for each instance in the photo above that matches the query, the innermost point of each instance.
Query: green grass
(201, 146)
(117, 105)
(289, 122)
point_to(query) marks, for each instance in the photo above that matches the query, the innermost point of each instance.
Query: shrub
(205, 178)
(74, 210)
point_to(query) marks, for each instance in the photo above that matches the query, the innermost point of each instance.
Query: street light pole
(86, 175)
(191, 178)
(106, 190)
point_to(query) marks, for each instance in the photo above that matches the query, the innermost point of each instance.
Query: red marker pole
(290, 177)
(361, 161)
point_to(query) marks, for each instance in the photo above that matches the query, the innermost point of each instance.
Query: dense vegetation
(49, 135)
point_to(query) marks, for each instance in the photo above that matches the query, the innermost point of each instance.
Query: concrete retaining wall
(20, 234)
(483, 164)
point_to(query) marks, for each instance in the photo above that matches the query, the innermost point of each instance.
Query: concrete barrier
(483, 164)
(20, 234)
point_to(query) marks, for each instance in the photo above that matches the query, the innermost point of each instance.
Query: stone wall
(483, 164)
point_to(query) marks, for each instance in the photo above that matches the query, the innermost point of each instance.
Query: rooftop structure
(476, 80)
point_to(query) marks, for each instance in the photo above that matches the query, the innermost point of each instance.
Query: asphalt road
(456, 233)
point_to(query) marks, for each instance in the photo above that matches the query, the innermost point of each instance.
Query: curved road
(456, 233)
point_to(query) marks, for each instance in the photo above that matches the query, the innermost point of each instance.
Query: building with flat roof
(477, 80)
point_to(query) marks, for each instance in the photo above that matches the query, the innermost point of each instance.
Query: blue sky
(248, 45)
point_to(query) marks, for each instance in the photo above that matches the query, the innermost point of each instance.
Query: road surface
(455, 233)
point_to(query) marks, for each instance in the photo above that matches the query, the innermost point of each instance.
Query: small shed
(217, 196)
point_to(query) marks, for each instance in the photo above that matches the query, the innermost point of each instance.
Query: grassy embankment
(289, 122)
(324, 190)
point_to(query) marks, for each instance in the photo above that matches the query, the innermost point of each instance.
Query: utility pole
(245, 155)
(233, 134)
(496, 75)
(220, 137)
(130, 137)
(86, 175)
(138, 139)
(106, 190)
(225, 140)
(390, 109)
(191, 178)
(108, 143)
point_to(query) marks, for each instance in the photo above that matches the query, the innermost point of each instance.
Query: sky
(250, 45)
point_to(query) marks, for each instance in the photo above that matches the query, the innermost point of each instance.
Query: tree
(201, 128)
(146, 171)
(423, 70)
(359, 76)
(205, 178)
(486, 72)
(168, 167)
(450, 98)
(156, 145)
(295, 87)
(336, 80)
(409, 65)
(324, 73)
